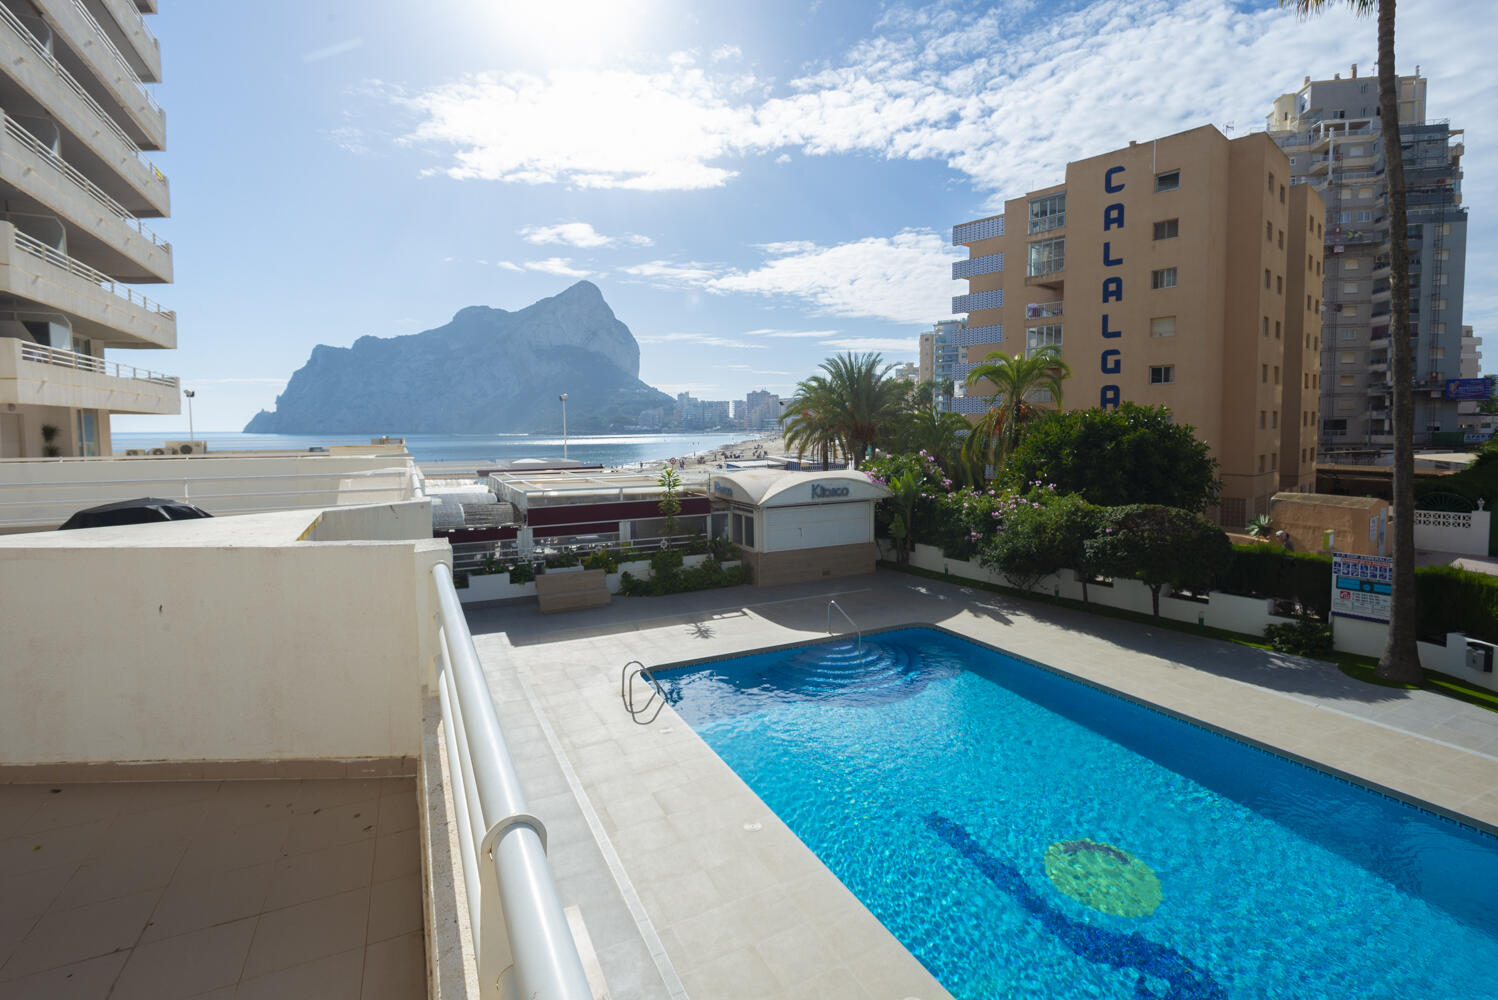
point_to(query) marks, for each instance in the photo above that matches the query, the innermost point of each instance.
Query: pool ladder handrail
(856, 629)
(627, 692)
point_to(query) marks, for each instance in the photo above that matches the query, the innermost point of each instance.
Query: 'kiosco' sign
(820, 492)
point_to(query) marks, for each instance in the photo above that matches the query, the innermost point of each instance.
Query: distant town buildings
(1330, 130)
(1184, 271)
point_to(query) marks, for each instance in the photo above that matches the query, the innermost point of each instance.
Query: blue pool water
(1026, 835)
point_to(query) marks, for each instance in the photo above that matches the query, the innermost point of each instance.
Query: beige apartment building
(1184, 272)
(75, 185)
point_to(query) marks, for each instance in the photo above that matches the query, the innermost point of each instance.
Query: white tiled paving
(285, 889)
(751, 912)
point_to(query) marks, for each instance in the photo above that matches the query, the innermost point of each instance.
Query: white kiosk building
(795, 526)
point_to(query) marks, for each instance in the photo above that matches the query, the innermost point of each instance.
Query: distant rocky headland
(487, 371)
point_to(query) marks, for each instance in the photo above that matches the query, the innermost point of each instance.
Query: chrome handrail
(859, 631)
(47, 355)
(520, 933)
(627, 692)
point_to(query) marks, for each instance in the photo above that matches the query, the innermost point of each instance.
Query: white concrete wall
(39, 494)
(810, 527)
(221, 639)
(1443, 531)
(497, 586)
(410, 519)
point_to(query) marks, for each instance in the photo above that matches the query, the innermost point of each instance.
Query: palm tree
(853, 405)
(1015, 379)
(925, 426)
(1401, 657)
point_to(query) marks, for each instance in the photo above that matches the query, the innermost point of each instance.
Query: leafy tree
(1041, 533)
(854, 405)
(1400, 661)
(926, 427)
(1014, 379)
(670, 504)
(1158, 546)
(905, 491)
(1134, 454)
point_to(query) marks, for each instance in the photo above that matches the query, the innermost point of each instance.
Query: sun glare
(574, 33)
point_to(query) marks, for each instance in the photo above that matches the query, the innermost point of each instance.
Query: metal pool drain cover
(1103, 877)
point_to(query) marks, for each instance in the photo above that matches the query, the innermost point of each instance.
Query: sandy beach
(769, 443)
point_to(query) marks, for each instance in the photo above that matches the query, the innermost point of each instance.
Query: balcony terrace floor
(211, 889)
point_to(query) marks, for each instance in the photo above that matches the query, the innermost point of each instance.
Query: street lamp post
(563, 398)
(189, 393)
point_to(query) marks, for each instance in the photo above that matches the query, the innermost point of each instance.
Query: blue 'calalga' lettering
(1111, 359)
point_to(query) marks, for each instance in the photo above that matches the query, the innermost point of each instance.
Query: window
(1268, 232)
(1167, 230)
(1443, 254)
(1437, 353)
(1365, 192)
(1310, 223)
(1047, 256)
(1276, 374)
(1163, 278)
(1347, 358)
(1162, 374)
(1280, 242)
(1266, 326)
(1274, 461)
(1349, 288)
(1266, 277)
(1163, 326)
(1348, 334)
(1334, 426)
(1351, 263)
(1364, 215)
(1282, 194)
(1308, 303)
(1048, 213)
(1344, 217)
(1444, 278)
(1038, 338)
(1276, 329)
(1168, 181)
(1271, 183)
(1439, 305)
(1264, 374)
(1279, 285)
(1347, 379)
(1262, 423)
(1261, 463)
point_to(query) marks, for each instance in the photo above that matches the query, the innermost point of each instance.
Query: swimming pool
(1027, 835)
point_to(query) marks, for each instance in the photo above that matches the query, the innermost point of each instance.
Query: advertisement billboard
(1468, 388)
(1362, 586)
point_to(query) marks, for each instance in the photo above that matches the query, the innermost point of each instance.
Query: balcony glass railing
(39, 50)
(82, 183)
(51, 255)
(103, 39)
(43, 355)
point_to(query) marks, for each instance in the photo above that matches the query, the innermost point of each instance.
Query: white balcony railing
(138, 21)
(44, 355)
(55, 257)
(82, 183)
(40, 51)
(520, 933)
(103, 38)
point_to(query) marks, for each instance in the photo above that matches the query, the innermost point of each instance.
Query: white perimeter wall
(814, 527)
(222, 639)
(1442, 531)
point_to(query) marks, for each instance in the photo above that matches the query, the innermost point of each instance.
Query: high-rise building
(941, 358)
(1182, 272)
(75, 187)
(1331, 131)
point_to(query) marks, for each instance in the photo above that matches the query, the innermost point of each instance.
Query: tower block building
(1183, 272)
(75, 187)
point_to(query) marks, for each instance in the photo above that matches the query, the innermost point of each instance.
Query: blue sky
(753, 186)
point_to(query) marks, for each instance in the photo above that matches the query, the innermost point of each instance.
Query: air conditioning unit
(186, 447)
(1480, 656)
(134, 451)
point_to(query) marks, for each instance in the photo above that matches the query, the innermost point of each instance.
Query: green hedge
(1455, 600)
(1304, 578)
(1447, 599)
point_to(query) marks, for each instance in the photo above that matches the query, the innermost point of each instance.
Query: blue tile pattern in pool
(1001, 820)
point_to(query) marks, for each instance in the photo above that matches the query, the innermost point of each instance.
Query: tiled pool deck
(681, 893)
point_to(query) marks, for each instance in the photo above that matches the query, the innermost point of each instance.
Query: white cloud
(886, 345)
(706, 339)
(903, 278)
(508, 265)
(328, 52)
(723, 52)
(561, 266)
(799, 334)
(579, 234)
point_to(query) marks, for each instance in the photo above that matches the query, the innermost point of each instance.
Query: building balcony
(36, 82)
(974, 301)
(1379, 343)
(37, 375)
(96, 305)
(979, 229)
(122, 21)
(1041, 310)
(977, 336)
(100, 231)
(1053, 279)
(119, 89)
(992, 263)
